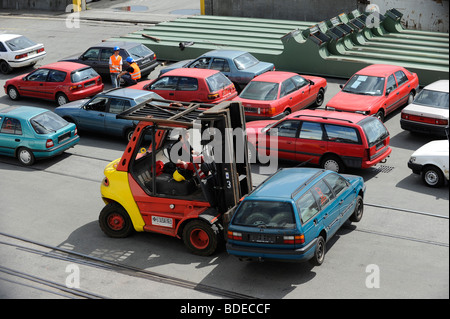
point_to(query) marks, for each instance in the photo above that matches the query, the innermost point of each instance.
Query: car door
(10, 135)
(310, 216)
(345, 195)
(53, 83)
(305, 94)
(392, 94)
(92, 58)
(103, 63)
(33, 84)
(330, 208)
(165, 87)
(92, 115)
(221, 65)
(188, 90)
(289, 96)
(112, 124)
(310, 145)
(281, 140)
(403, 87)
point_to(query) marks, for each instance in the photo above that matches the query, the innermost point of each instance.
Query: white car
(18, 51)
(431, 161)
(429, 111)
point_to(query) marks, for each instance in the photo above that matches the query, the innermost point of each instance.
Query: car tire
(319, 252)
(129, 133)
(333, 163)
(380, 115)
(13, 93)
(432, 176)
(5, 68)
(410, 98)
(359, 210)
(61, 99)
(115, 222)
(201, 238)
(25, 156)
(319, 98)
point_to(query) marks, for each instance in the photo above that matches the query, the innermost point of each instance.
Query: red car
(377, 90)
(191, 85)
(333, 140)
(275, 94)
(61, 81)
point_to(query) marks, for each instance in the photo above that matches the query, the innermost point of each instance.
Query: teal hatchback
(293, 214)
(30, 133)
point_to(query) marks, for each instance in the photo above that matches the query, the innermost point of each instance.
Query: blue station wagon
(99, 113)
(31, 133)
(293, 214)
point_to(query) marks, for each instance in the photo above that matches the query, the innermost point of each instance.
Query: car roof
(127, 93)
(379, 70)
(441, 86)
(331, 115)
(65, 66)
(287, 183)
(120, 44)
(191, 72)
(274, 76)
(23, 112)
(224, 53)
(7, 37)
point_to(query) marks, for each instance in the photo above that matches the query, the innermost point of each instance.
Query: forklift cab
(141, 189)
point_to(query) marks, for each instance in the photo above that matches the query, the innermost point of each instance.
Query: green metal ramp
(337, 47)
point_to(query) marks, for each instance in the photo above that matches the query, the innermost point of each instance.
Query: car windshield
(20, 43)
(365, 85)
(432, 98)
(374, 129)
(217, 82)
(83, 74)
(139, 51)
(47, 122)
(265, 214)
(262, 91)
(245, 61)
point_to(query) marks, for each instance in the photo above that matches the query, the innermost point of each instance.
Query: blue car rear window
(266, 214)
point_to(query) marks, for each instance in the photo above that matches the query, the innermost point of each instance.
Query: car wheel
(359, 209)
(61, 99)
(129, 134)
(432, 176)
(5, 68)
(115, 222)
(333, 163)
(319, 252)
(410, 98)
(287, 112)
(13, 93)
(25, 156)
(380, 115)
(202, 239)
(319, 98)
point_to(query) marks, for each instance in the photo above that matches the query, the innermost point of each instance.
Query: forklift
(142, 193)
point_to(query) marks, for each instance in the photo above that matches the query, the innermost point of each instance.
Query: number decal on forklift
(162, 221)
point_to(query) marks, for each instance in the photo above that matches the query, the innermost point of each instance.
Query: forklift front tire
(115, 222)
(201, 238)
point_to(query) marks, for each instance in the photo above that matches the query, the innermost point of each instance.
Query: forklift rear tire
(115, 222)
(201, 238)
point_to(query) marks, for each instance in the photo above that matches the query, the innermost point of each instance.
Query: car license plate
(63, 137)
(145, 61)
(162, 221)
(262, 238)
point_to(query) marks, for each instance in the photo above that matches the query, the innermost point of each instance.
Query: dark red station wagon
(333, 140)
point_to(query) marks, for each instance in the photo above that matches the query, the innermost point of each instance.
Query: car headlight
(328, 108)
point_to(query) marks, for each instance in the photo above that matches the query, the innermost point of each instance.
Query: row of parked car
(274, 101)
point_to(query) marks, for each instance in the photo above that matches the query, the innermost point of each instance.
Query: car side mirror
(311, 82)
(341, 86)
(24, 78)
(82, 58)
(388, 91)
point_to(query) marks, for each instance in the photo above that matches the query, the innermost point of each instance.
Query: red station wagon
(61, 81)
(191, 85)
(378, 89)
(333, 140)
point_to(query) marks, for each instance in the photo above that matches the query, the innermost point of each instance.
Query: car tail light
(296, 239)
(40, 50)
(154, 56)
(49, 143)
(267, 111)
(21, 56)
(234, 235)
(213, 96)
(75, 87)
(76, 131)
(424, 119)
(99, 80)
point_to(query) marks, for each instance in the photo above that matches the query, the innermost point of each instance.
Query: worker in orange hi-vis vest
(115, 67)
(131, 74)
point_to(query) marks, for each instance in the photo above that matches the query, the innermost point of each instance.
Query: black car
(98, 56)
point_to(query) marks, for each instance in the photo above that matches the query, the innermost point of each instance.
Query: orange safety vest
(115, 64)
(136, 75)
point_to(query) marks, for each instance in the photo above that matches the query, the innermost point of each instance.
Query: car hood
(71, 105)
(427, 111)
(433, 148)
(353, 102)
(174, 66)
(254, 128)
(140, 85)
(71, 58)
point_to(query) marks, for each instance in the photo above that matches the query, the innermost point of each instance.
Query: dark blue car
(239, 66)
(29, 133)
(99, 113)
(293, 214)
